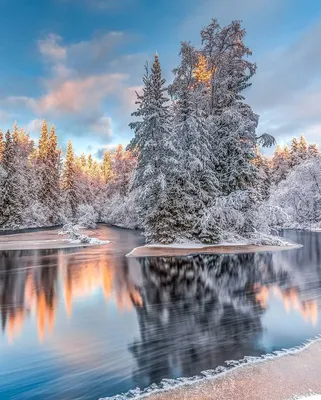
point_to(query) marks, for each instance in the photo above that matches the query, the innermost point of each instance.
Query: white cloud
(34, 126)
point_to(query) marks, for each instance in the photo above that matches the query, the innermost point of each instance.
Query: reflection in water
(152, 318)
(291, 300)
(33, 290)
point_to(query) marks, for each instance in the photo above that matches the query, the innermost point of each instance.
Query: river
(90, 323)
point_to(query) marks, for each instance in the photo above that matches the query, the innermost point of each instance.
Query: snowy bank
(187, 249)
(287, 374)
(48, 239)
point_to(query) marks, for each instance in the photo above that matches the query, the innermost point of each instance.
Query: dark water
(84, 324)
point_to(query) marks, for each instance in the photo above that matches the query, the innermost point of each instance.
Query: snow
(76, 237)
(45, 239)
(248, 379)
(187, 248)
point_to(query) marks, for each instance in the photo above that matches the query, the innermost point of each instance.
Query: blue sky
(77, 63)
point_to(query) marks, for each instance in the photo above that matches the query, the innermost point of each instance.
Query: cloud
(34, 126)
(82, 79)
(79, 95)
(99, 154)
(51, 49)
(286, 91)
(102, 126)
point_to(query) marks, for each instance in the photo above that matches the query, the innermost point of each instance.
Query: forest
(194, 170)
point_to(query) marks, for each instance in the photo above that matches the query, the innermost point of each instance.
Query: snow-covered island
(187, 249)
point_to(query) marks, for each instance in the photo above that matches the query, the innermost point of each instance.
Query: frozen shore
(287, 375)
(47, 239)
(187, 249)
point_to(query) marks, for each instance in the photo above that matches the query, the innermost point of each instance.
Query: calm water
(83, 324)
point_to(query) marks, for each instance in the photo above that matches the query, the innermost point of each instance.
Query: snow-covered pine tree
(155, 175)
(197, 180)
(2, 146)
(107, 168)
(68, 183)
(313, 150)
(52, 180)
(10, 205)
(294, 151)
(281, 164)
(303, 148)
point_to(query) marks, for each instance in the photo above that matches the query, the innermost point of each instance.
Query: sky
(78, 63)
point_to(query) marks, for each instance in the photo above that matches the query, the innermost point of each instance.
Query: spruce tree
(68, 182)
(295, 152)
(313, 150)
(10, 205)
(43, 141)
(52, 179)
(155, 174)
(107, 168)
(303, 148)
(2, 146)
(197, 181)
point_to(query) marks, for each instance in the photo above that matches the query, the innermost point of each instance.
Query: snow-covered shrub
(121, 211)
(74, 234)
(296, 201)
(86, 216)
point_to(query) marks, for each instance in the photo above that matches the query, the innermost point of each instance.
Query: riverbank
(285, 377)
(45, 240)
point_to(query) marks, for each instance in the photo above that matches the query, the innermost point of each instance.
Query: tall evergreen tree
(52, 178)
(303, 148)
(68, 182)
(157, 160)
(10, 206)
(313, 150)
(197, 180)
(43, 141)
(107, 168)
(2, 146)
(294, 151)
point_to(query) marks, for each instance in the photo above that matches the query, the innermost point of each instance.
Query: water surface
(88, 323)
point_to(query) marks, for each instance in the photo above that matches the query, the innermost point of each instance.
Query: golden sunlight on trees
(202, 73)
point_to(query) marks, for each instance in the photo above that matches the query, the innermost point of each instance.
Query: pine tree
(107, 168)
(68, 182)
(2, 146)
(10, 206)
(313, 150)
(52, 179)
(157, 160)
(303, 148)
(43, 141)
(83, 160)
(197, 182)
(295, 151)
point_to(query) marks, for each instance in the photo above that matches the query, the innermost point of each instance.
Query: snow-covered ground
(48, 239)
(188, 248)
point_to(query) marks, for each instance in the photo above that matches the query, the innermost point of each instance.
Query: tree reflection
(199, 311)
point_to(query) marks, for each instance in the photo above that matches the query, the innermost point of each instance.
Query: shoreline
(283, 375)
(168, 251)
(49, 240)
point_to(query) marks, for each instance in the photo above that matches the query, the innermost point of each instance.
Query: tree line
(40, 187)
